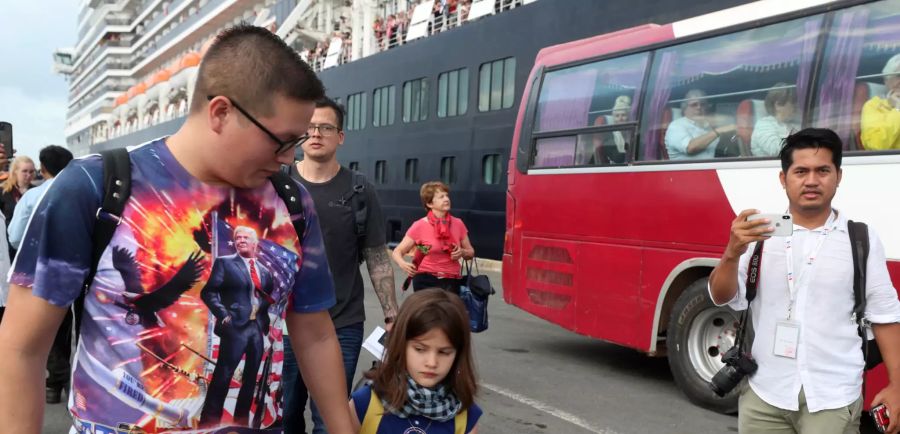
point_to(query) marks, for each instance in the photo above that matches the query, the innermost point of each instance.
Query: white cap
(623, 102)
(892, 66)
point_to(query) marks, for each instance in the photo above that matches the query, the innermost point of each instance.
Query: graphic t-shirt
(181, 327)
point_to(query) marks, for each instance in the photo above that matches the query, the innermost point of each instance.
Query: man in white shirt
(694, 136)
(811, 381)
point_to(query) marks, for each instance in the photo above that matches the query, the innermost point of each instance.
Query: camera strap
(753, 275)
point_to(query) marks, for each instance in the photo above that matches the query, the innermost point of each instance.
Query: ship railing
(393, 34)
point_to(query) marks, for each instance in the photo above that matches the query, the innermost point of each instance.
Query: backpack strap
(374, 413)
(360, 210)
(289, 193)
(116, 191)
(459, 422)
(358, 199)
(859, 240)
(859, 246)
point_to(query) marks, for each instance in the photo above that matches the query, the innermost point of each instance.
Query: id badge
(787, 336)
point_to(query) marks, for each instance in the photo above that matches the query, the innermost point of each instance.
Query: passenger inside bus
(880, 118)
(769, 132)
(696, 135)
(610, 147)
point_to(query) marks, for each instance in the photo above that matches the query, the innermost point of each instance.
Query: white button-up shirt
(254, 297)
(829, 363)
(680, 133)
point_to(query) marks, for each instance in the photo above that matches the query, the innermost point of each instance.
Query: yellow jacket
(880, 125)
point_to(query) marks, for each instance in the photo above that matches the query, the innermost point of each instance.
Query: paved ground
(539, 378)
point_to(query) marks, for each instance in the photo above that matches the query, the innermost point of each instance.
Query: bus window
(706, 98)
(859, 92)
(600, 94)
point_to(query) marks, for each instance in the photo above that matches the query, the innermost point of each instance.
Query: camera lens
(785, 217)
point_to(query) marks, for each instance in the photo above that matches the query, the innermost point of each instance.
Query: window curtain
(836, 92)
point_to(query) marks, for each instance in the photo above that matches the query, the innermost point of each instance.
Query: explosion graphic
(178, 233)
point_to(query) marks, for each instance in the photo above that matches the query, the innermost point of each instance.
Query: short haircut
(252, 65)
(429, 189)
(693, 94)
(892, 66)
(811, 138)
(54, 159)
(246, 230)
(333, 105)
(420, 313)
(782, 94)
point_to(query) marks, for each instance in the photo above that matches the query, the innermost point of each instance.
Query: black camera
(737, 366)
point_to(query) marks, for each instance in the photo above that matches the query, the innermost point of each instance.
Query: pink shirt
(437, 261)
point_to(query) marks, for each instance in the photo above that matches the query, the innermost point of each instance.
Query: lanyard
(789, 258)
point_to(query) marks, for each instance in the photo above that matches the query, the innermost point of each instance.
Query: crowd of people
(193, 259)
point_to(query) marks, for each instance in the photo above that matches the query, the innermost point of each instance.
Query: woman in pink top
(439, 240)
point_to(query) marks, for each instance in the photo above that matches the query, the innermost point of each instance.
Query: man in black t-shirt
(332, 189)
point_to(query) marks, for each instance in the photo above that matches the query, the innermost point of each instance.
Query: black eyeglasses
(282, 145)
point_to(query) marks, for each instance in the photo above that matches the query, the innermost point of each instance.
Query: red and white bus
(612, 228)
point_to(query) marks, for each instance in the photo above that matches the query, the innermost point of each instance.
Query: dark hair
(252, 65)
(782, 94)
(422, 312)
(54, 159)
(429, 189)
(811, 138)
(332, 104)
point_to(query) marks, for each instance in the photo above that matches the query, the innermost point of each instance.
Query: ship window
(415, 100)
(448, 171)
(497, 84)
(453, 93)
(412, 171)
(383, 103)
(356, 111)
(354, 165)
(380, 171)
(491, 168)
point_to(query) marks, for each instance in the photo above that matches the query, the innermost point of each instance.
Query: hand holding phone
(881, 417)
(783, 224)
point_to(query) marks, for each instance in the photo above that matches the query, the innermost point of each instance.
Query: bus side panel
(607, 294)
(658, 264)
(547, 281)
(877, 378)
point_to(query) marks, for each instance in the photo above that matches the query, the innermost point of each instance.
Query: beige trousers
(757, 416)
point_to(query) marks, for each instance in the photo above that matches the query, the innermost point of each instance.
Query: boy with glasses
(151, 355)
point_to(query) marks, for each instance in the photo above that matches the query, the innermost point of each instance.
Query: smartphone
(6, 137)
(881, 417)
(783, 223)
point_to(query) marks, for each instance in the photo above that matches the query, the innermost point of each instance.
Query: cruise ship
(431, 87)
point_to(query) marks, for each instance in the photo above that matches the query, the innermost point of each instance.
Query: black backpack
(859, 240)
(117, 190)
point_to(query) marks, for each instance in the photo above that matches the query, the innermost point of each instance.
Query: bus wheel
(698, 334)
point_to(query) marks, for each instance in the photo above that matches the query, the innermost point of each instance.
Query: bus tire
(699, 333)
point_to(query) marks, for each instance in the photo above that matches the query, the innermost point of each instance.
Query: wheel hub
(711, 334)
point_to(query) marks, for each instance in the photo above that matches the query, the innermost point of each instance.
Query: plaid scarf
(438, 404)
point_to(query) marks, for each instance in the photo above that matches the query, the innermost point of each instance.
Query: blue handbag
(475, 292)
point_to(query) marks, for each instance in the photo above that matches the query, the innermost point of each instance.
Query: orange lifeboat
(159, 77)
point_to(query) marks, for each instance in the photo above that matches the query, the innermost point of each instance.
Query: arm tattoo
(381, 271)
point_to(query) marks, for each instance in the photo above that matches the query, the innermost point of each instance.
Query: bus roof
(648, 34)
